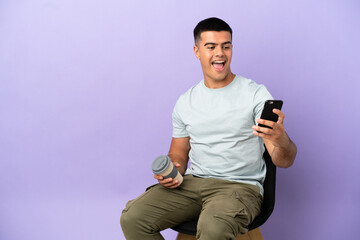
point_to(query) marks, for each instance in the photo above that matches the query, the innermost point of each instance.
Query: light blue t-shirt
(219, 123)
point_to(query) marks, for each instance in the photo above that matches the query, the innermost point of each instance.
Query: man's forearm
(284, 156)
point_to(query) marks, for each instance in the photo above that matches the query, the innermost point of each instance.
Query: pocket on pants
(237, 213)
(251, 203)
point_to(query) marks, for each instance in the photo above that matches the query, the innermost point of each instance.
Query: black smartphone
(267, 112)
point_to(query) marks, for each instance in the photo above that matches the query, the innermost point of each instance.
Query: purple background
(86, 94)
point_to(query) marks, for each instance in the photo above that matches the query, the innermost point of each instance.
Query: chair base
(254, 234)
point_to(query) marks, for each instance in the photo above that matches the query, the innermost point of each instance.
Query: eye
(226, 47)
(211, 47)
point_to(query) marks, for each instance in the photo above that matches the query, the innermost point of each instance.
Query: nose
(219, 52)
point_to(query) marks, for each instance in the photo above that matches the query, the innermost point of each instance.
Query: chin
(221, 77)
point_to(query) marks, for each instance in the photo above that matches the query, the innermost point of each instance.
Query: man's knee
(128, 220)
(134, 227)
(132, 219)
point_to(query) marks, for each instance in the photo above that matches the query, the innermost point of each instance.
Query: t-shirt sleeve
(261, 95)
(179, 127)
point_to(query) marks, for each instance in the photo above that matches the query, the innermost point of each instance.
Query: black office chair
(267, 206)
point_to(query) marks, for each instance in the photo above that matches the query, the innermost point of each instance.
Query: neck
(212, 83)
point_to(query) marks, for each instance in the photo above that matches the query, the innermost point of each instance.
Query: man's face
(214, 50)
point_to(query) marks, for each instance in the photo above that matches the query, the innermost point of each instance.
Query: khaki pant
(224, 208)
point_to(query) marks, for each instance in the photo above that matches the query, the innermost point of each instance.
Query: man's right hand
(179, 155)
(168, 182)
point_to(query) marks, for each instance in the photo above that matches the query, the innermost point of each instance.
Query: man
(214, 125)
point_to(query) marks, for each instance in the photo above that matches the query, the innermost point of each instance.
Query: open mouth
(218, 65)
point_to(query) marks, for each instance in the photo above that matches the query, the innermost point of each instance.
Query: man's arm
(280, 147)
(179, 155)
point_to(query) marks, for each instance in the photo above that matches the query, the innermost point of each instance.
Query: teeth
(219, 61)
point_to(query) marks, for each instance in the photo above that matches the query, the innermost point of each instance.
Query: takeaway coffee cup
(163, 166)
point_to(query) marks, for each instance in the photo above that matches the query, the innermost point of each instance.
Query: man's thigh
(160, 208)
(230, 208)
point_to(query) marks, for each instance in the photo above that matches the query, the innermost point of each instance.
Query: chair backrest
(267, 206)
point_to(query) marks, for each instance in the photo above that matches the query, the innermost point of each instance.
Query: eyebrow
(210, 43)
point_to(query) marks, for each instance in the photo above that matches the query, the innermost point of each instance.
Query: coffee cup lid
(160, 164)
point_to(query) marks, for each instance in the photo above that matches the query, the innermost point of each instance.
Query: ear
(196, 51)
